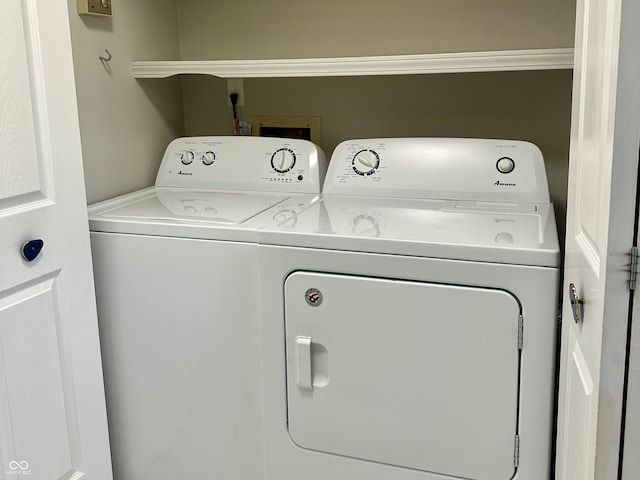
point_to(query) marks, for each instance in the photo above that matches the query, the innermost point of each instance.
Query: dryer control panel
(243, 163)
(439, 168)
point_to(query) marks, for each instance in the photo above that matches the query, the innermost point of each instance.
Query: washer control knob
(208, 158)
(365, 162)
(187, 157)
(283, 160)
(505, 165)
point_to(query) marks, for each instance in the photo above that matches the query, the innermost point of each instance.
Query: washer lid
(215, 215)
(192, 206)
(513, 233)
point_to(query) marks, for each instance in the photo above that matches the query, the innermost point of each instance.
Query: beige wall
(532, 106)
(125, 124)
(313, 28)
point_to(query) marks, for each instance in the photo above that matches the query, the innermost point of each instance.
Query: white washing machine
(409, 318)
(177, 285)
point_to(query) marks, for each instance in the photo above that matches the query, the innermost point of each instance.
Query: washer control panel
(243, 163)
(439, 168)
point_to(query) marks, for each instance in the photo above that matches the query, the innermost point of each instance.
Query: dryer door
(413, 374)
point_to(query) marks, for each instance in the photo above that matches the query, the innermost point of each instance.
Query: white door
(52, 412)
(600, 219)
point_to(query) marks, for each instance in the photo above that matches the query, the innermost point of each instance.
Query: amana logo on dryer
(504, 184)
(180, 172)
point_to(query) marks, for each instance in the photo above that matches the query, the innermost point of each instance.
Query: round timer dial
(283, 160)
(365, 162)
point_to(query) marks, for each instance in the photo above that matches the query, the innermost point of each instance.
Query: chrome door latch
(576, 304)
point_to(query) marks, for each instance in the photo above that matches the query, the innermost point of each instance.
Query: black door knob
(32, 249)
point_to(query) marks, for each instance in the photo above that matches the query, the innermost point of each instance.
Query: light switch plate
(95, 7)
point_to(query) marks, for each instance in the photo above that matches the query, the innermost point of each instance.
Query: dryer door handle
(303, 361)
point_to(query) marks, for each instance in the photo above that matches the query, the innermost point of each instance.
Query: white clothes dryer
(177, 287)
(409, 318)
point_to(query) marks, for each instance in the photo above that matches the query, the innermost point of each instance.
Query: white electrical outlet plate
(235, 85)
(95, 7)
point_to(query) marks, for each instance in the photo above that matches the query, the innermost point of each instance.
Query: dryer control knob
(283, 160)
(365, 162)
(187, 157)
(505, 165)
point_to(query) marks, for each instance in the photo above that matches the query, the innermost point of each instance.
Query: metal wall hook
(106, 59)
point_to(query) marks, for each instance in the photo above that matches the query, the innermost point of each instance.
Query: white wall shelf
(506, 60)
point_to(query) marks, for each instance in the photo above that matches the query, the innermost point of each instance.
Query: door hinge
(516, 452)
(520, 332)
(634, 268)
